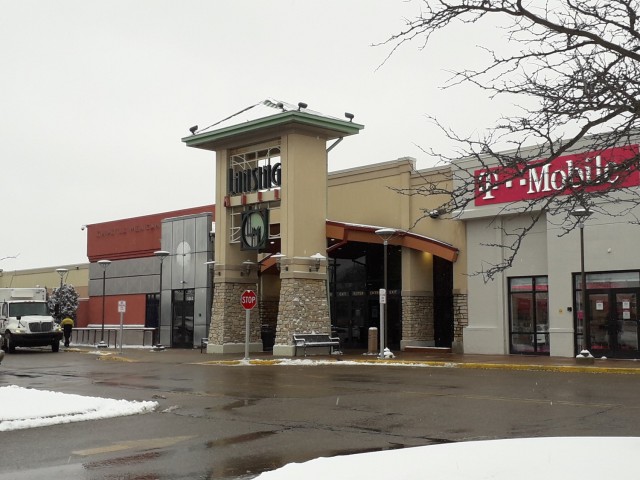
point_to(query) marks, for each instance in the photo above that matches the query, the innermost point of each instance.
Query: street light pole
(385, 234)
(161, 254)
(104, 264)
(581, 214)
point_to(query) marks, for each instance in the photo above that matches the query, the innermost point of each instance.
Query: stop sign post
(248, 300)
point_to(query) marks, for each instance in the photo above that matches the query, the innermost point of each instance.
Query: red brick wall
(131, 237)
(135, 314)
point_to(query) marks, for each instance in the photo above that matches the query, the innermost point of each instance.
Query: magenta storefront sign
(540, 179)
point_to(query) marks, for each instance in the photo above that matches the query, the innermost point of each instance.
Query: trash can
(373, 341)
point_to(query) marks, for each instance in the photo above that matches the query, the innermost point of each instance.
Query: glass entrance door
(182, 318)
(613, 322)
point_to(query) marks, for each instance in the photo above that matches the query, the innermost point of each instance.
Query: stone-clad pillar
(303, 309)
(228, 323)
(417, 319)
(303, 304)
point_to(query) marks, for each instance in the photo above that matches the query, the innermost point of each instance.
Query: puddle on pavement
(247, 437)
(22, 375)
(123, 461)
(246, 467)
(247, 402)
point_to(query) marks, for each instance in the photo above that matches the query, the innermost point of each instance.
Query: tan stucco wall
(78, 276)
(366, 195)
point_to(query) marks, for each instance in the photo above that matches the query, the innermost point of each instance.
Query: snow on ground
(551, 458)
(28, 408)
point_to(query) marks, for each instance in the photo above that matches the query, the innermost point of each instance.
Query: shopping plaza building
(304, 240)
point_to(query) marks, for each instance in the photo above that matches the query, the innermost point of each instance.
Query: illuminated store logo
(264, 177)
(539, 179)
(254, 230)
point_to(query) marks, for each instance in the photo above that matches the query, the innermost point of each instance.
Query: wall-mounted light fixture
(278, 258)
(248, 265)
(433, 213)
(317, 260)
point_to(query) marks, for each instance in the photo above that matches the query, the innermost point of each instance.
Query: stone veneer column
(460, 321)
(228, 321)
(417, 320)
(303, 308)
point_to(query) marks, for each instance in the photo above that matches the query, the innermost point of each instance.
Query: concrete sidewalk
(427, 359)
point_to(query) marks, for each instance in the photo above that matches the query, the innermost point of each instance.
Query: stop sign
(248, 299)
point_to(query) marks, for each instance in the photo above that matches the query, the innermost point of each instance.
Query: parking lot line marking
(147, 443)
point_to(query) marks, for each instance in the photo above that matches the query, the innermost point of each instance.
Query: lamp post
(385, 234)
(161, 254)
(582, 214)
(104, 264)
(61, 272)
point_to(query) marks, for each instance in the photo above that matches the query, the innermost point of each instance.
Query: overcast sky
(96, 95)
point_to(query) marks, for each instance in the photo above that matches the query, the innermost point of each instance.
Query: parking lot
(231, 420)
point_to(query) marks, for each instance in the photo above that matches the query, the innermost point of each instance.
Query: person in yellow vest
(67, 326)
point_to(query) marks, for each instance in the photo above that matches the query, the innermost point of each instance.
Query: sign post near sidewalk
(248, 300)
(122, 308)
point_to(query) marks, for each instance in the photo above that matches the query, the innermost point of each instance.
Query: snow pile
(524, 458)
(28, 408)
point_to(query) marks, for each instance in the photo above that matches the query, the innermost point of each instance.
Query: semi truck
(25, 320)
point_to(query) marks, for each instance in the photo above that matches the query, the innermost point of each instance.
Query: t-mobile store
(536, 305)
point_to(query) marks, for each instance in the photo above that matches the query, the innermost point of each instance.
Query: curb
(592, 369)
(436, 364)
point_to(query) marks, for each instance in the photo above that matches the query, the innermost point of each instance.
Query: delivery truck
(25, 320)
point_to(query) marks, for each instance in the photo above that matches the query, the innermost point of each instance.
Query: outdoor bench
(310, 340)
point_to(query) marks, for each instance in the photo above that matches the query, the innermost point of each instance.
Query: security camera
(82, 227)
(434, 213)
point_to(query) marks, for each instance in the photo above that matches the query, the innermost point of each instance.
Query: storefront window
(609, 308)
(607, 280)
(529, 315)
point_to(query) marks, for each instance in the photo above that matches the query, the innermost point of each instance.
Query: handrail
(93, 335)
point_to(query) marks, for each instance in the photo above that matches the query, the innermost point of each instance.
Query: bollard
(372, 347)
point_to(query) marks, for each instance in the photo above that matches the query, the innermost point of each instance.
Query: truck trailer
(25, 320)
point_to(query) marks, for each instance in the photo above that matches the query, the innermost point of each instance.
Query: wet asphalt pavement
(221, 421)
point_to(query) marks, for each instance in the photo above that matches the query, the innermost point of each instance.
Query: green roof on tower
(269, 117)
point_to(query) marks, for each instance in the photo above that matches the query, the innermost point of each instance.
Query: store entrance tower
(270, 225)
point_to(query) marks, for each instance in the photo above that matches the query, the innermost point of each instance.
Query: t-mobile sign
(540, 179)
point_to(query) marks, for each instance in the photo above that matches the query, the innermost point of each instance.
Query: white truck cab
(25, 320)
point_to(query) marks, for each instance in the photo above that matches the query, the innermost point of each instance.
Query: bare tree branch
(576, 64)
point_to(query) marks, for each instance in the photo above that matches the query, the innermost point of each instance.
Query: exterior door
(613, 321)
(182, 319)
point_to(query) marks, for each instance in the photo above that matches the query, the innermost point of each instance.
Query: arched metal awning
(341, 233)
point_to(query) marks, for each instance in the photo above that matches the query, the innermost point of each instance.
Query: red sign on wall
(540, 179)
